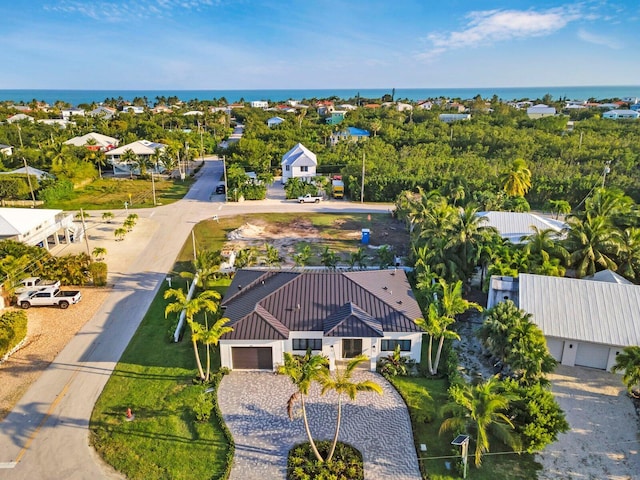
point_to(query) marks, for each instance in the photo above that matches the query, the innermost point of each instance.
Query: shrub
(58, 190)
(98, 271)
(346, 463)
(13, 329)
(203, 406)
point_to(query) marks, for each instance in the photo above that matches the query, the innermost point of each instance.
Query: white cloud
(599, 39)
(492, 26)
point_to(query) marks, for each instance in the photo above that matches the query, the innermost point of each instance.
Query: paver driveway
(254, 406)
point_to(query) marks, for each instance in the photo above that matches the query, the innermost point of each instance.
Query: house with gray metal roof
(513, 226)
(585, 322)
(340, 314)
(299, 162)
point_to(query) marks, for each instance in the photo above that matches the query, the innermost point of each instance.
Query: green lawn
(154, 379)
(505, 466)
(110, 193)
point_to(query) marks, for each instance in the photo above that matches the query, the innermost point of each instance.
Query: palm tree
(340, 382)
(629, 362)
(481, 408)
(99, 252)
(206, 300)
(436, 327)
(246, 257)
(272, 257)
(517, 180)
(129, 223)
(358, 258)
(629, 255)
(130, 158)
(301, 258)
(329, 258)
(207, 266)
(107, 217)
(303, 371)
(211, 336)
(120, 233)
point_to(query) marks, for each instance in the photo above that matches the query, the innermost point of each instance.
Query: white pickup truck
(308, 198)
(35, 283)
(49, 297)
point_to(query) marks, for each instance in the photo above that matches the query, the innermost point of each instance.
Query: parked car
(220, 189)
(48, 297)
(308, 198)
(35, 283)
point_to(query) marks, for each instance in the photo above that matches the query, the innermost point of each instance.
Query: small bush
(13, 329)
(346, 463)
(203, 406)
(98, 272)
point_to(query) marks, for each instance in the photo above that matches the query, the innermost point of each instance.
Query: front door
(351, 347)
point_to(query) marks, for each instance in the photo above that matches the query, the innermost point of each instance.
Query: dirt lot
(49, 330)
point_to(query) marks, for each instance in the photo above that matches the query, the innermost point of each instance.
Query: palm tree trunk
(430, 363)
(335, 437)
(208, 374)
(198, 362)
(435, 368)
(308, 430)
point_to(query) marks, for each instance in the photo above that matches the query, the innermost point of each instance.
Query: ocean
(77, 97)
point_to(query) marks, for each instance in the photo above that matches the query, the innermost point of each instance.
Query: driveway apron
(254, 407)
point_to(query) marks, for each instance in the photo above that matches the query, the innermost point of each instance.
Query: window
(304, 169)
(307, 343)
(390, 345)
(286, 167)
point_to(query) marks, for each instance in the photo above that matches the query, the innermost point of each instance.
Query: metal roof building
(513, 226)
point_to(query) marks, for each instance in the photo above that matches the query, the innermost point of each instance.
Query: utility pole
(226, 187)
(605, 171)
(362, 186)
(84, 233)
(26, 170)
(153, 189)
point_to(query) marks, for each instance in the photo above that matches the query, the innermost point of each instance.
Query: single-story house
(541, 110)
(103, 112)
(19, 117)
(136, 109)
(621, 115)
(6, 149)
(453, 117)
(340, 314)
(273, 121)
(37, 227)
(144, 149)
(513, 226)
(94, 140)
(60, 122)
(192, 113)
(67, 113)
(585, 322)
(426, 105)
(161, 109)
(350, 133)
(299, 162)
(259, 104)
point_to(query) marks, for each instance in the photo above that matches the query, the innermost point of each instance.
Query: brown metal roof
(303, 301)
(352, 321)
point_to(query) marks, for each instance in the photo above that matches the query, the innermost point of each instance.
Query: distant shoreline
(77, 97)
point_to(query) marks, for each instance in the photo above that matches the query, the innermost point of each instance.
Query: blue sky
(269, 44)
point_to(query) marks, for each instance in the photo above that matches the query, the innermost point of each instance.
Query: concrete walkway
(254, 407)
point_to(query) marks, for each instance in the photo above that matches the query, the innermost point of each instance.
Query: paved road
(254, 407)
(46, 434)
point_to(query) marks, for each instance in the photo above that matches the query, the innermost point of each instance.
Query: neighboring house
(340, 314)
(635, 107)
(144, 149)
(540, 111)
(454, 117)
(347, 107)
(404, 107)
(273, 121)
(425, 105)
(513, 226)
(39, 174)
(458, 107)
(60, 122)
(192, 113)
(299, 162)
(259, 104)
(585, 322)
(6, 150)
(350, 133)
(608, 106)
(161, 109)
(103, 112)
(621, 115)
(335, 117)
(37, 227)
(95, 141)
(136, 109)
(67, 113)
(19, 117)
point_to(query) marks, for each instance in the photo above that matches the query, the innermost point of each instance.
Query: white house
(541, 110)
(35, 226)
(299, 162)
(259, 104)
(6, 150)
(144, 149)
(454, 117)
(513, 226)
(60, 122)
(94, 140)
(67, 113)
(340, 314)
(585, 322)
(273, 121)
(621, 115)
(136, 109)
(19, 117)
(39, 174)
(103, 112)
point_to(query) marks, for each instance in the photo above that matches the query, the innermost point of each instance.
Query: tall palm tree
(628, 361)
(211, 336)
(629, 255)
(131, 159)
(435, 325)
(517, 179)
(303, 371)
(480, 408)
(340, 382)
(207, 300)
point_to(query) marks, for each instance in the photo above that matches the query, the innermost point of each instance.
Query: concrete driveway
(603, 442)
(254, 407)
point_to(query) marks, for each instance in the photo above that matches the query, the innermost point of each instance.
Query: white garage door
(555, 346)
(592, 355)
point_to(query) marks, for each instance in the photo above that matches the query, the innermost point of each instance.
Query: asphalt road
(46, 436)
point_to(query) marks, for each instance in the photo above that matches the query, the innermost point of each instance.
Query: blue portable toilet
(365, 236)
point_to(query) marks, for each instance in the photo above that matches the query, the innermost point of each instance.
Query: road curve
(46, 436)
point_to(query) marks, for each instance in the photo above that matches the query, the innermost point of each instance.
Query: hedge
(13, 329)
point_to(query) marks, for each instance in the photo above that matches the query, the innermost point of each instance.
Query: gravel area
(49, 329)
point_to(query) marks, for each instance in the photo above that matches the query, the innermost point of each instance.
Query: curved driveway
(46, 436)
(254, 407)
